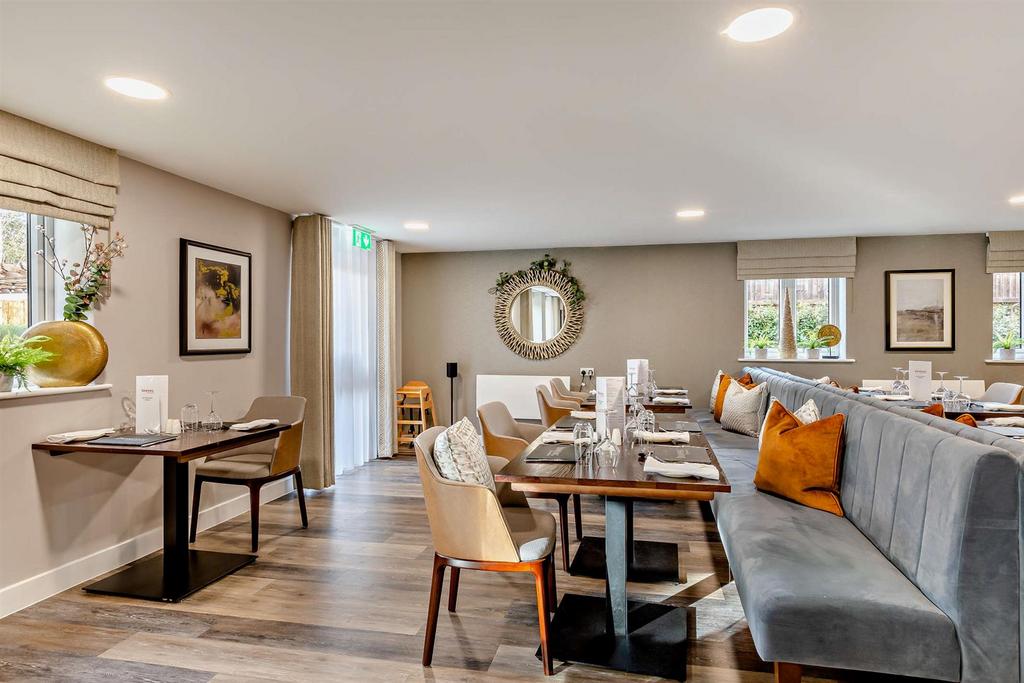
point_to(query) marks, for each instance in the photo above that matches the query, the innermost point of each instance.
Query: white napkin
(255, 424)
(83, 435)
(663, 437)
(671, 400)
(695, 470)
(872, 388)
(1006, 421)
(993, 405)
(559, 437)
(584, 414)
(672, 391)
(891, 397)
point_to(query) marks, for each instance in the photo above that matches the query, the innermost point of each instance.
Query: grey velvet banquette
(921, 577)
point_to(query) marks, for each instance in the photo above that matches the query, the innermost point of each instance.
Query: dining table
(614, 631)
(648, 402)
(975, 409)
(178, 571)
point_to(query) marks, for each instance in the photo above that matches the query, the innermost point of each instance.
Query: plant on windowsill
(761, 346)
(80, 352)
(1005, 347)
(814, 345)
(17, 354)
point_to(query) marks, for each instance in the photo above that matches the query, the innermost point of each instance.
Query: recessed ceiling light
(1018, 200)
(133, 87)
(759, 24)
(690, 213)
(420, 226)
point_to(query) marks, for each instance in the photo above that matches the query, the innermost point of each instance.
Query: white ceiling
(542, 124)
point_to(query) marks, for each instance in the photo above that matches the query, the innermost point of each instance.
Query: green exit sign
(361, 238)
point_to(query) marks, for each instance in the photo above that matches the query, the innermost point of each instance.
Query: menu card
(150, 403)
(610, 404)
(920, 380)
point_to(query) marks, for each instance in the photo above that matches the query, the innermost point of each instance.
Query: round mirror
(537, 314)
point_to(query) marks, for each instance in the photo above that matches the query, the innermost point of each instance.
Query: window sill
(798, 360)
(57, 391)
(996, 361)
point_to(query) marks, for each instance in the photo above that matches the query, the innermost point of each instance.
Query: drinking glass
(652, 386)
(212, 422)
(606, 453)
(189, 418)
(962, 400)
(583, 440)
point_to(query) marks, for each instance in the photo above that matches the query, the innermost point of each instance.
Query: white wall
(65, 519)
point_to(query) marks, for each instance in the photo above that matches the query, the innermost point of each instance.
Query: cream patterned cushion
(714, 390)
(459, 455)
(806, 414)
(741, 411)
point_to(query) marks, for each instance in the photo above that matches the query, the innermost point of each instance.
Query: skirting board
(29, 591)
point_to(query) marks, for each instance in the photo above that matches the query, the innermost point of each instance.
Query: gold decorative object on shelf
(834, 335)
(81, 354)
(787, 335)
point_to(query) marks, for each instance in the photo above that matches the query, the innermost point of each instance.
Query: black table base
(651, 562)
(148, 580)
(656, 644)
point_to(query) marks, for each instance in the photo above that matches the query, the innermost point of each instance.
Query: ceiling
(546, 124)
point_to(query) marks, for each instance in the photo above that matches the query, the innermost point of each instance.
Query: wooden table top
(627, 479)
(189, 446)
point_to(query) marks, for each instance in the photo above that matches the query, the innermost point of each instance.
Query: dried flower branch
(83, 282)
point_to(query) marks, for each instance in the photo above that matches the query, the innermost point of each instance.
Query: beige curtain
(47, 172)
(311, 358)
(387, 348)
(1005, 252)
(796, 258)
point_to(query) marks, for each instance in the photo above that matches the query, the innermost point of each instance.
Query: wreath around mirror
(542, 274)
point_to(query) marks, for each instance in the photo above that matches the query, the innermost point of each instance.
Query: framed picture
(920, 310)
(215, 306)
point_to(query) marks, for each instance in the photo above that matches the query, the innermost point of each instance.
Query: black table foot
(146, 579)
(653, 561)
(656, 644)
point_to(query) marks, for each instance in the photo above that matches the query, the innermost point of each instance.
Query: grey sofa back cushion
(945, 510)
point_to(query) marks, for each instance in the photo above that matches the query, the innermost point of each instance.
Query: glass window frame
(836, 312)
(1018, 352)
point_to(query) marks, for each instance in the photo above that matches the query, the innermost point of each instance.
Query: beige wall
(59, 510)
(680, 306)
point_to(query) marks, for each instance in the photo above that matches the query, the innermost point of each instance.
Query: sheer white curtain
(355, 351)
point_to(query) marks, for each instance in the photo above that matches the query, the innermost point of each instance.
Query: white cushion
(805, 414)
(714, 390)
(459, 455)
(741, 410)
(533, 532)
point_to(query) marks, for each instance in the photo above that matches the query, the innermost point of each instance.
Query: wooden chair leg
(577, 516)
(302, 499)
(197, 489)
(552, 587)
(254, 514)
(436, 585)
(563, 529)
(453, 589)
(788, 673)
(540, 575)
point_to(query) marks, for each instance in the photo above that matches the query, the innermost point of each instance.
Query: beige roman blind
(796, 258)
(1005, 252)
(51, 173)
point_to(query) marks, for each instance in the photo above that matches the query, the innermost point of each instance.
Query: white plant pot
(760, 354)
(6, 383)
(813, 354)
(1004, 354)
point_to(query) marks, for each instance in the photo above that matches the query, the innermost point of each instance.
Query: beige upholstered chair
(552, 409)
(260, 463)
(472, 530)
(562, 392)
(1002, 392)
(505, 437)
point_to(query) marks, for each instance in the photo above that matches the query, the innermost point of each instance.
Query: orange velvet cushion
(801, 462)
(934, 409)
(745, 381)
(967, 420)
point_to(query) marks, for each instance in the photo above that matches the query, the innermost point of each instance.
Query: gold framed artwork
(215, 306)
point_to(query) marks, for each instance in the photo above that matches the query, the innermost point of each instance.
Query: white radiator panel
(518, 392)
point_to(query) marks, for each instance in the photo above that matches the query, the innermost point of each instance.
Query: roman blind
(47, 172)
(796, 258)
(1005, 252)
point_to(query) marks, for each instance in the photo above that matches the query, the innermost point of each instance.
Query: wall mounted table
(178, 571)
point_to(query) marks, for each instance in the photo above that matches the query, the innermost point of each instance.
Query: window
(817, 302)
(29, 291)
(1006, 320)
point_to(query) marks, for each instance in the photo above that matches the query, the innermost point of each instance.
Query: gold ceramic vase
(81, 354)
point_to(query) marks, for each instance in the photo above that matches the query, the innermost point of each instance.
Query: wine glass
(212, 422)
(962, 400)
(190, 418)
(582, 439)
(896, 382)
(652, 386)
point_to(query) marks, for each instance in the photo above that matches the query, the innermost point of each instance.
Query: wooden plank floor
(346, 600)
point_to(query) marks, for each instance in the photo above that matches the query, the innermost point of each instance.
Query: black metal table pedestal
(178, 571)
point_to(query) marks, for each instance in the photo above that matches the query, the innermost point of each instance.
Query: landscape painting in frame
(215, 300)
(920, 310)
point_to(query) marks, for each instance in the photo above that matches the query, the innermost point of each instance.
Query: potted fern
(815, 344)
(17, 355)
(761, 344)
(1005, 347)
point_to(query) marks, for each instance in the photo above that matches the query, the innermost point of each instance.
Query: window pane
(1005, 304)
(762, 311)
(812, 297)
(13, 273)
